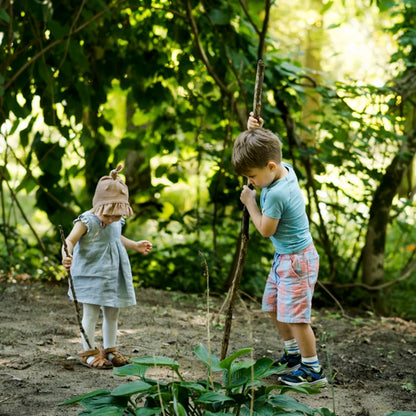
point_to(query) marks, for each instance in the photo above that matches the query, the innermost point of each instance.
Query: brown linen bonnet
(112, 196)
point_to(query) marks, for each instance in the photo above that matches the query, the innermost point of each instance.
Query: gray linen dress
(101, 267)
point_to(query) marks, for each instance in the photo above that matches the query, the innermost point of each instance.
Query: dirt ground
(373, 360)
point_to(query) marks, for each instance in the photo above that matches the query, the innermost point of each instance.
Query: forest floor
(373, 359)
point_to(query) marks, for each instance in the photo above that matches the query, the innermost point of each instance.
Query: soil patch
(372, 360)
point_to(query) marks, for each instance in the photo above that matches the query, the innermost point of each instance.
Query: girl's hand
(247, 194)
(66, 262)
(143, 247)
(253, 123)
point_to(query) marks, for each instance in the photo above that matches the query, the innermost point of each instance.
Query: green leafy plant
(241, 391)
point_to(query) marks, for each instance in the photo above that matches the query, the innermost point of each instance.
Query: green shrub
(240, 393)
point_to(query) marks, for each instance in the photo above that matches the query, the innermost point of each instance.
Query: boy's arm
(264, 224)
(77, 232)
(142, 246)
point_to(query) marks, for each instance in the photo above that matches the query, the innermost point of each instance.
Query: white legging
(110, 322)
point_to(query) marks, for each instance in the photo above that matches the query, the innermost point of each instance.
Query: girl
(100, 268)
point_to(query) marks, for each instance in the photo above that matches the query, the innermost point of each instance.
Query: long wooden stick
(72, 288)
(244, 233)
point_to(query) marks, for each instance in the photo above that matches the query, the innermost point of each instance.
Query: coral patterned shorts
(290, 285)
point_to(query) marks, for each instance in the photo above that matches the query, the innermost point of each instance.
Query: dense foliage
(164, 87)
(240, 393)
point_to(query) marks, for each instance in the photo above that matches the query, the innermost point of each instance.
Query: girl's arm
(142, 246)
(77, 232)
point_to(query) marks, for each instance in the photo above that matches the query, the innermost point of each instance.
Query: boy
(257, 154)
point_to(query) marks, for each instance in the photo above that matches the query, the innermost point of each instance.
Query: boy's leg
(309, 372)
(305, 337)
(291, 357)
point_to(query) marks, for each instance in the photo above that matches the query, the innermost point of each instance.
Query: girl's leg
(110, 324)
(89, 322)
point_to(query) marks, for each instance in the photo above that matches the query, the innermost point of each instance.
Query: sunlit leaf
(130, 388)
(226, 363)
(156, 361)
(131, 370)
(213, 397)
(210, 360)
(85, 396)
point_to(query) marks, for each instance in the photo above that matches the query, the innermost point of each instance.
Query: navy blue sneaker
(292, 362)
(305, 375)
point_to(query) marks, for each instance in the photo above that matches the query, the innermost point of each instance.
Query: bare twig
(258, 89)
(72, 288)
(244, 235)
(206, 275)
(263, 33)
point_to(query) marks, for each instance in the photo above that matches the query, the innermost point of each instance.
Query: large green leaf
(192, 385)
(213, 397)
(108, 411)
(178, 407)
(264, 410)
(288, 403)
(131, 370)
(156, 361)
(144, 411)
(85, 396)
(226, 363)
(131, 388)
(210, 360)
(326, 412)
(103, 402)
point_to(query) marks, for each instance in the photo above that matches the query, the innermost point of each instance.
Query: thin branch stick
(258, 89)
(249, 18)
(72, 288)
(244, 235)
(262, 42)
(206, 275)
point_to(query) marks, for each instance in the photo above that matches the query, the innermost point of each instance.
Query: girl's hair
(254, 148)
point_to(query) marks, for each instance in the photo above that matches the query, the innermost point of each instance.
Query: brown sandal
(99, 362)
(118, 360)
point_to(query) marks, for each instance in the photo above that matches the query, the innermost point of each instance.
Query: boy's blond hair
(254, 148)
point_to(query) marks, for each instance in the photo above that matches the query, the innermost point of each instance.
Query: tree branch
(260, 52)
(57, 42)
(201, 51)
(243, 6)
(42, 246)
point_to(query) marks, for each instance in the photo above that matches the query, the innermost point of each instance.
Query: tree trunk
(374, 248)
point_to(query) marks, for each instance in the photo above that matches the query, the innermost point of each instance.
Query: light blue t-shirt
(283, 200)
